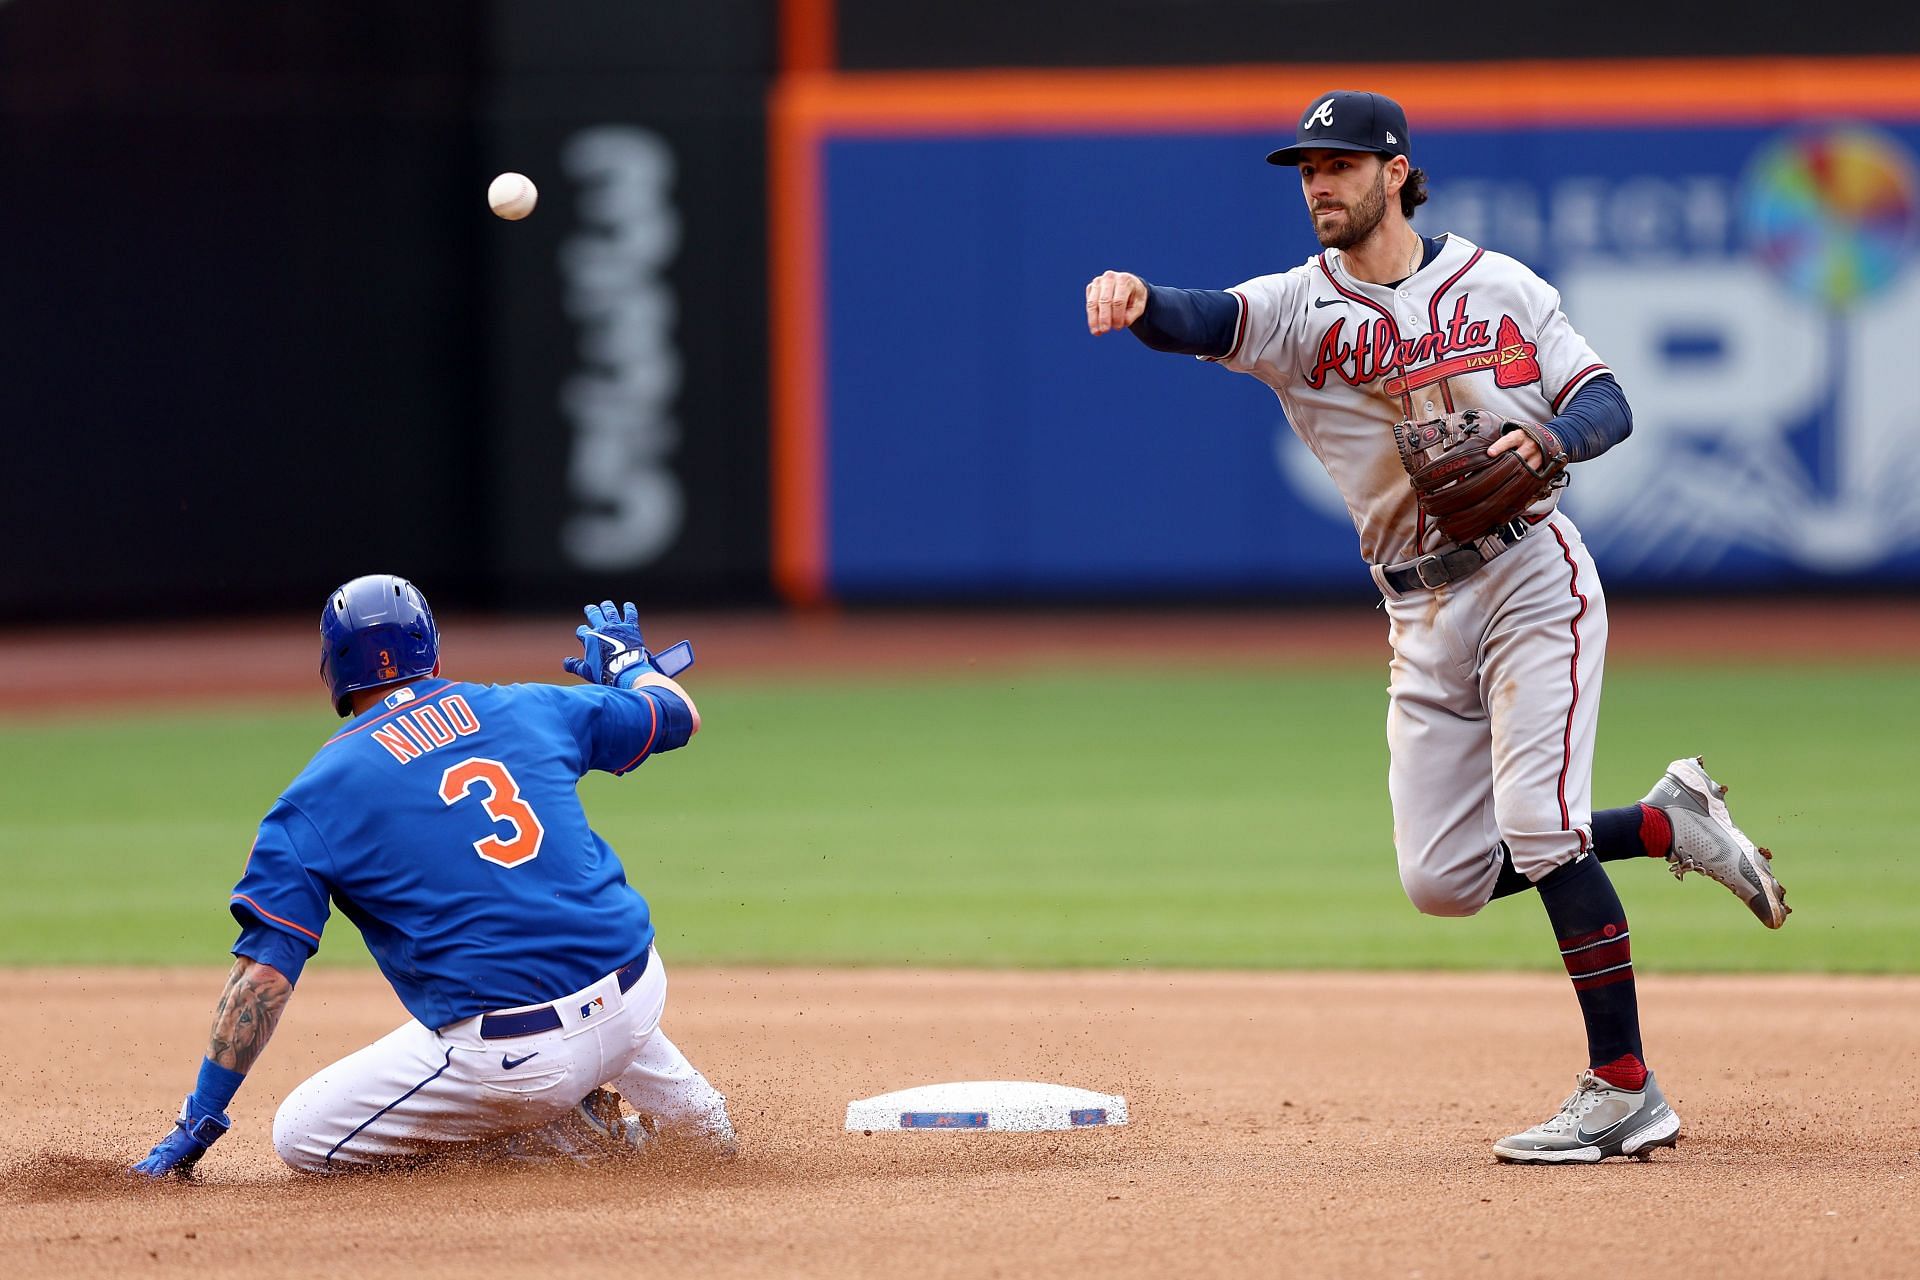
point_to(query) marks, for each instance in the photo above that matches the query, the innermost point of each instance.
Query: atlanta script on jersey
(1348, 359)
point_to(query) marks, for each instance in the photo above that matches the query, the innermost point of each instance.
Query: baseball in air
(512, 196)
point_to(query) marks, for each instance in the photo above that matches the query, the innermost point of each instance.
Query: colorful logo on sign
(1834, 212)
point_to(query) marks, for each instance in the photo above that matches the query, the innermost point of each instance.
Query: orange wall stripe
(808, 35)
(797, 307)
(1491, 94)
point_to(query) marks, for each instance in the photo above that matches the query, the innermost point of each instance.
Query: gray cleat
(1596, 1122)
(1705, 840)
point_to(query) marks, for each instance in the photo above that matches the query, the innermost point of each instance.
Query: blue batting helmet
(375, 630)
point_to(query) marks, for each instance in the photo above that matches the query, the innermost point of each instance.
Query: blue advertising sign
(1752, 286)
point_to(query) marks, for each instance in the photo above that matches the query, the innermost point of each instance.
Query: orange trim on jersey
(418, 700)
(268, 915)
(808, 106)
(652, 733)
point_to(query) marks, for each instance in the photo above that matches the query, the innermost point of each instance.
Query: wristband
(216, 1087)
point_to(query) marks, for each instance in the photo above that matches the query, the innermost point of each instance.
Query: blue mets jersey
(444, 822)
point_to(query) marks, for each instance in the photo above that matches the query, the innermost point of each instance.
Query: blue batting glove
(615, 653)
(194, 1131)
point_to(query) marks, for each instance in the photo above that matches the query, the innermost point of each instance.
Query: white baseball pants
(1493, 707)
(418, 1092)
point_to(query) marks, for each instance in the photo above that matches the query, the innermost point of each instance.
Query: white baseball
(512, 196)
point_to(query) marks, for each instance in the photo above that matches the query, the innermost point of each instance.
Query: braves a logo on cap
(1322, 114)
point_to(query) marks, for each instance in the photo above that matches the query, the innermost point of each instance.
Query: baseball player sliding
(443, 821)
(1446, 393)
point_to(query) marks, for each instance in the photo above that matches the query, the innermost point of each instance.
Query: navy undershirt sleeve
(1595, 420)
(1191, 322)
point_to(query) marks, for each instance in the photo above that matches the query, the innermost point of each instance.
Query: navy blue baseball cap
(1347, 120)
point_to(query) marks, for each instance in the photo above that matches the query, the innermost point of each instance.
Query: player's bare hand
(1521, 442)
(1115, 299)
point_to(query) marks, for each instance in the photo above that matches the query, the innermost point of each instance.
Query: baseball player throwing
(443, 821)
(1446, 393)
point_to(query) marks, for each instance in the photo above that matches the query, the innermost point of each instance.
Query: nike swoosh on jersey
(1327, 302)
(508, 1062)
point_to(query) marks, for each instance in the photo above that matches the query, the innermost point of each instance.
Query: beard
(1360, 221)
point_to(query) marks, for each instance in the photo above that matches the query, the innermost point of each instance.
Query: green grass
(1176, 819)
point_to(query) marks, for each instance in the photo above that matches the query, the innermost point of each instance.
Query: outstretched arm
(1192, 322)
(249, 1010)
(619, 735)
(250, 1007)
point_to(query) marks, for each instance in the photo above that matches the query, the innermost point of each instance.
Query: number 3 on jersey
(503, 804)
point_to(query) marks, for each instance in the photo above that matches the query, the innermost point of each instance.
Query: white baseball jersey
(1348, 359)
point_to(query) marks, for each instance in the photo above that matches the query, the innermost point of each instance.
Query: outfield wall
(1736, 238)
(261, 333)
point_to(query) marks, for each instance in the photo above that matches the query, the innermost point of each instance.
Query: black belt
(1438, 568)
(527, 1022)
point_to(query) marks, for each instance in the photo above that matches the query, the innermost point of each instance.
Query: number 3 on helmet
(375, 630)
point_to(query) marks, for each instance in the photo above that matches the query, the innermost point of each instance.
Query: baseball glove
(1462, 490)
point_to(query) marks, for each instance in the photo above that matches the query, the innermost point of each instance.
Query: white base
(1008, 1106)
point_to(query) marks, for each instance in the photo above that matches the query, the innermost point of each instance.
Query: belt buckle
(1439, 566)
(1514, 530)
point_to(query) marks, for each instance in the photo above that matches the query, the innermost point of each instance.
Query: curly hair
(1413, 193)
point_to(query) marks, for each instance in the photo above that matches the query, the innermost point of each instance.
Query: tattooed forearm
(248, 1011)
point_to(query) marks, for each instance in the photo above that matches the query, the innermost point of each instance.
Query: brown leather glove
(1462, 490)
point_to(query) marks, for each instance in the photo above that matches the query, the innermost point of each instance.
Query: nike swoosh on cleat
(1596, 1139)
(508, 1062)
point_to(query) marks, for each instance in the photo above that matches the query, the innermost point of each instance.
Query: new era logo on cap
(1348, 120)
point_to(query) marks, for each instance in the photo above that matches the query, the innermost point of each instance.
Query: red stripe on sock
(1624, 1072)
(1656, 831)
(1605, 956)
(1604, 980)
(1582, 939)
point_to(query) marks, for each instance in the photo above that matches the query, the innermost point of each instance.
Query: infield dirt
(1283, 1125)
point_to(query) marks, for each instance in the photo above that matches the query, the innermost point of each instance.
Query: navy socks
(1636, 831)
(1592, 930)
